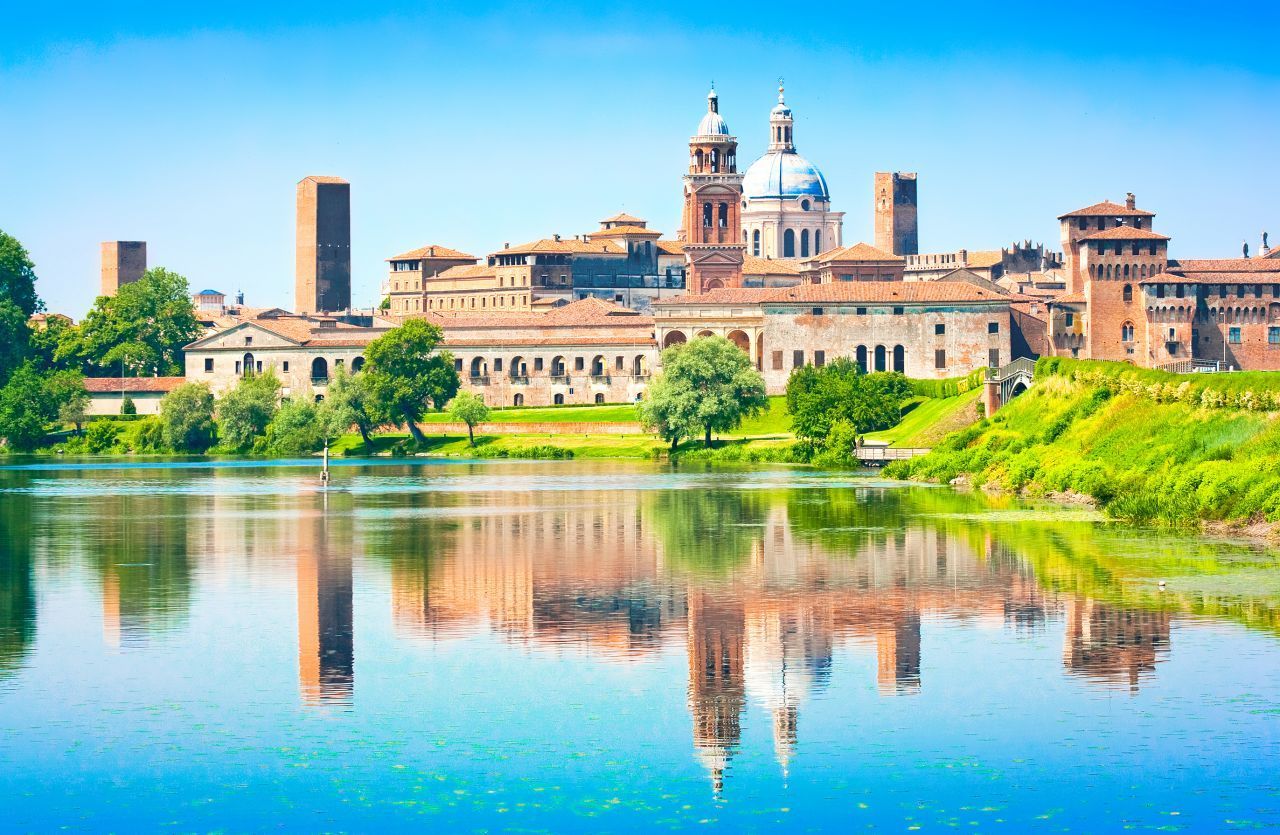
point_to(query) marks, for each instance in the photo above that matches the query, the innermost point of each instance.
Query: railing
(1193, 366)
(320, 381)
(601, 379)
(880, 455)
(1021, 365)
(479, 380)
(520, 379)
(559, 379)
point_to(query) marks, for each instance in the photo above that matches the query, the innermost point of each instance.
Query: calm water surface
(607, 646)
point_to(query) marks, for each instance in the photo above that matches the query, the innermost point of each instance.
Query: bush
(101, 436)
(186, 415)
(127, 406)
(293, 430)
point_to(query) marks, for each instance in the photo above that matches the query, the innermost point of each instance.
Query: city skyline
(467, 131)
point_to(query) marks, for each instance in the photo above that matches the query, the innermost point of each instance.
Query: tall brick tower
(897, 228)
(322, 269)
(712, 201)
(123, 262)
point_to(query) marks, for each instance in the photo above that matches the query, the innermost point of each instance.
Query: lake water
(582, 646)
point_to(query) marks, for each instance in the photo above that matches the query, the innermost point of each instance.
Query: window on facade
(777, 360)
(1102, 247)
(1180, 290)
(1273, 336)
(817, 311)
(284, 366)
(861, 311)
(248, 340)
(804, 243)
(208, 365)
(537, 363)
(579, 363)
(706, 214)
(1159, 291)
(819, 358)
(1233, 336)
(1126, 332)
(1128, 292)
(897, 311)
(497, 364)
(993, 327)
(457, 366)
(939, 358)
(1152, 249)
(789, 244)
(797, 359)
(939, 329)
(817, 243)
(1070, 319)
(723, 213)
(993, 357)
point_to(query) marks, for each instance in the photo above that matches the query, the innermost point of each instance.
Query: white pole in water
(324, 471)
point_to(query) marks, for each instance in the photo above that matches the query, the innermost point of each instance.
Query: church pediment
(714, 258)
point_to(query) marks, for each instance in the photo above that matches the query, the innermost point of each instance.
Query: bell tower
(712, 226)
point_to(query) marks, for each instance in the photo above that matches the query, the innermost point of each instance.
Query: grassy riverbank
(1144, 445)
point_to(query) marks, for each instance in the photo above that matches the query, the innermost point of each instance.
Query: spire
(713, 100)
(780, 124)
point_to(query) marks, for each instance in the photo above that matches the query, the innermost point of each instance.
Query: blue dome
(784, 174)
(712, 124)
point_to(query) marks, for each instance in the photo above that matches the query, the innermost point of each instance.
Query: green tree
(245, 411)
(186, 418)
(294, 430)
(26, 407)
(707, 384)
(18, 301)
(346, 404)
(470, 409)
(46, 340)
(144, 326)
(404, 373)
(70, 398)
(840, 393)
(127, 406)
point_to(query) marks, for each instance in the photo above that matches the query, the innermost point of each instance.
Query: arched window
(715, 161)
(558, 400)
(817, 242)
(640, 366)
(246, 369)
(1108, 271)
(478, 367)
(880, 358)
(599, 397)
(804, 243)
(862, 358)
(706, 214)
(1128, 292)
(357, 364)
(755, 243)
(1126, 270)
(319, 370)
(597, 366)
(518, 400)
(724, 215)
(1126, 332)
(899, 359)
(697, 156)
(557, 367)
(789, 244)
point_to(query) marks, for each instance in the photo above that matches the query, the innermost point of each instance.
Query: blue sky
(469, 126)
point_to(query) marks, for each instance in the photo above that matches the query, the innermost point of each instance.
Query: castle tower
(897, 229)
(712, 199)
(322, 269)
(123, 262)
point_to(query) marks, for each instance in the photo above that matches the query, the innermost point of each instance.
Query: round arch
(674, 338)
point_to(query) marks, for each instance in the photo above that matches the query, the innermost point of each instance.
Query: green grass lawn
(609, 413)
(931, 419)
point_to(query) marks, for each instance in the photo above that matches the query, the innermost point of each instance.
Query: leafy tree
(706, 384)
(143, 327)
(14, 338)
(101, 436)
(45, 341)
(469, 408)
(404, 373)
(26, 407)
(294, 429)
(820, 398)
(186, 418)
(127, 406)
(245, 411)
(346, 403)
(69, 396)
(18, 301)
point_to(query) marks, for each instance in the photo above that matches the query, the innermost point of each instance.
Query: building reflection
(326, 650)
(1113, 646)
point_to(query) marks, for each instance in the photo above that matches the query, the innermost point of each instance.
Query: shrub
(101, 436)
(127, 406)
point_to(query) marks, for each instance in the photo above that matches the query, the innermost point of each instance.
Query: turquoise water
(580, 646)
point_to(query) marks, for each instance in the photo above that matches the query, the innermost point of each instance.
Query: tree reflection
(17, 586)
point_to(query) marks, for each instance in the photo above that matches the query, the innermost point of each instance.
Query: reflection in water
(766, 590)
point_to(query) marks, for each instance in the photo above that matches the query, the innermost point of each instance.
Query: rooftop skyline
(190, 130)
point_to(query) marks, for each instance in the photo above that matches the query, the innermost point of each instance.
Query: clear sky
(469, 126)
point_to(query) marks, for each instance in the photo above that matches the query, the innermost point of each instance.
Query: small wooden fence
(878, 456)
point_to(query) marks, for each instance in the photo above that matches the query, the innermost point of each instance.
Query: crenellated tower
(711, 226)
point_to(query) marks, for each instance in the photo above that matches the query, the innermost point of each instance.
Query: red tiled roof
(623, 217)
(625, 230)
(1124, 233)
(983, 258)
(136, 385)
(858, 252)
(464, 271)
(752, 265)
(1107, 209)
(1225, 265)
(563, 246)
(882, 292)
(1179, 277)
(671, 247)
(431, 251)
(318, 178)
(588, 312)
(1070, 298)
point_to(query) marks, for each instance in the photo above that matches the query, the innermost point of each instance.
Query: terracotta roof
(858, 252)
(323, 179)
(464, 271)
(1124, 233)
(44, 317)
(1274, 253)
(1242, 277)
(137, 385)
(1070, 298)
(585, 337)
(1225, 265)
(751, 265)
(623, 217)
(872, 292)
(584, 312)
(565, 246)
(671, 247)
(431, 251)
(984, 258)
(1107, 209)
(625, 230)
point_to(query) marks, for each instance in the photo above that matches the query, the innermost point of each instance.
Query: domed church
(786, 207)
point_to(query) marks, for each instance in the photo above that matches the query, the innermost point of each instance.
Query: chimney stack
(1130, 202)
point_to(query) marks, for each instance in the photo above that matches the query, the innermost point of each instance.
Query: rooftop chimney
(1130, 202)
(556, 238)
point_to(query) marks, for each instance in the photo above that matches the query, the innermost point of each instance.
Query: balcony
(559, 379)
(480, 381)
(520, 379)
(320, 381)
(600, 379)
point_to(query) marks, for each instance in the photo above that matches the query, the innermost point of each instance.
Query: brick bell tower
(711, 227)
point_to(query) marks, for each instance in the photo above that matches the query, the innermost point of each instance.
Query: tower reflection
(326, 651)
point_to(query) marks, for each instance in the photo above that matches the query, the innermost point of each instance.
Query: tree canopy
(820, 398)
(706, 385)
(404, 373)
(26, 407)
(18, 301)
(186, 418)
(142, 329)
(469, 408)
(346, 404)
(245, 411)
